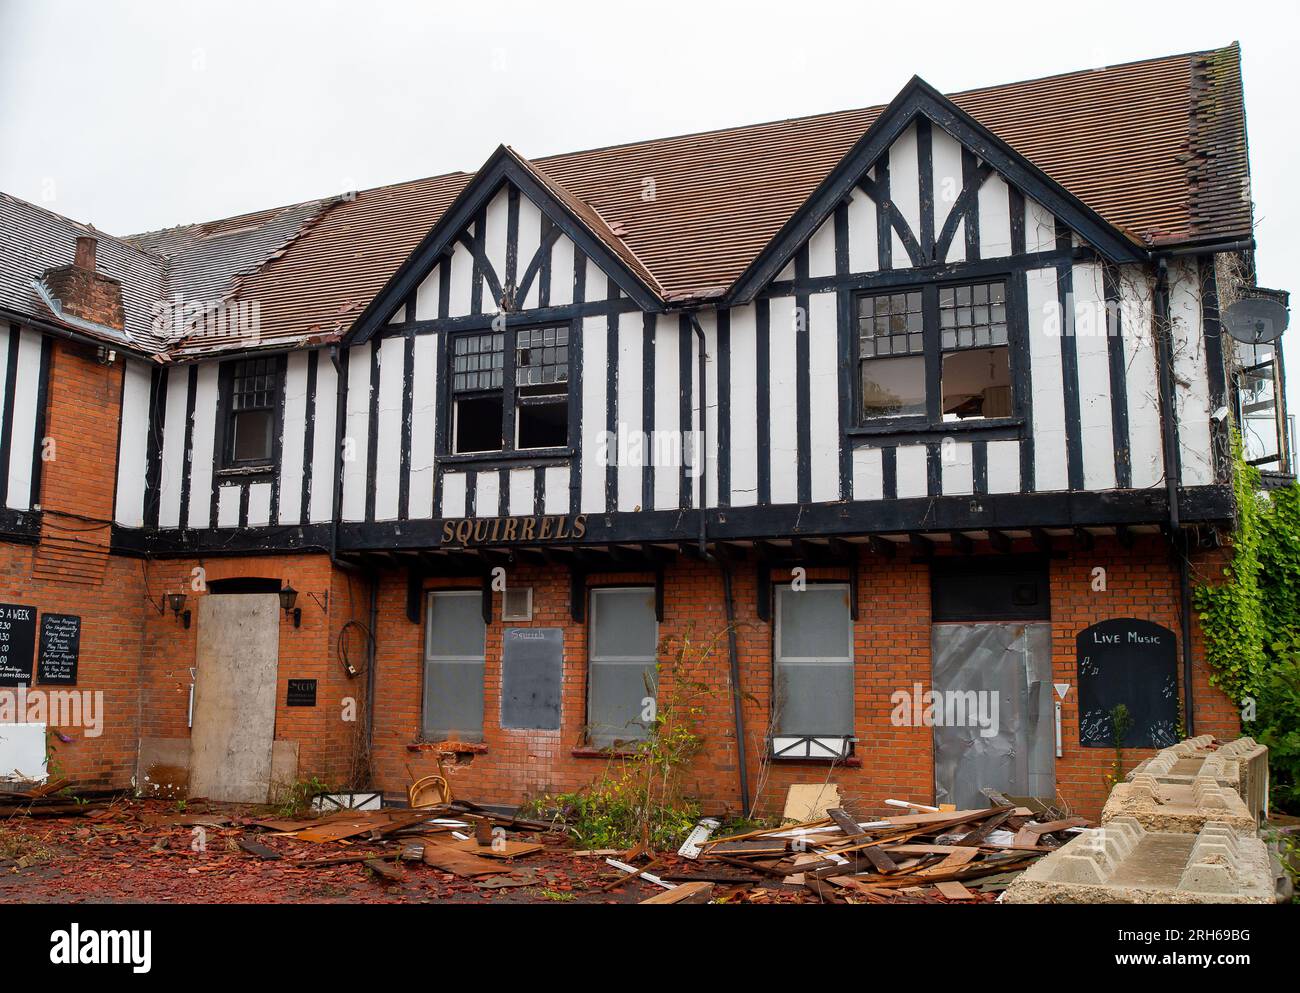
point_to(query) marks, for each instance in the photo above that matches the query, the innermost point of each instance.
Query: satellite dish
(1255, 320)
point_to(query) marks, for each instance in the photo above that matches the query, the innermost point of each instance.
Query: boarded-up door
(995, 718)
(234, 697)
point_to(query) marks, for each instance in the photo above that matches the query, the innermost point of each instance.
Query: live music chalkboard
(17, 644)
(60, 649)
(1135, 663)
(532, 671)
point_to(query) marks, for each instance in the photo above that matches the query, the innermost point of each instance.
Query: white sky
(135, 115)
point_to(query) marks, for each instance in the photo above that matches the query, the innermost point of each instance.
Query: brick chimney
(84, 292)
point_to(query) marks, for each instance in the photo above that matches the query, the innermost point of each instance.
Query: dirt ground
(146, 851)
(149, 851)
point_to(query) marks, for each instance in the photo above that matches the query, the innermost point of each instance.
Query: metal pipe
(733, 654)
(702, 457)
(734, 668)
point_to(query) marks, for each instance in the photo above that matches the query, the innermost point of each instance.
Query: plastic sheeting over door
(993, 715)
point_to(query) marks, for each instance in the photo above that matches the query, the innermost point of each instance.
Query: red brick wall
(328, 598)
(70, 572)
(892, 646)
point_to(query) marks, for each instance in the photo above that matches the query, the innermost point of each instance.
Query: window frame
(782, 589)
(510, 405)
(226, 463)
(932, 422)
(426, 659)
(593, 593)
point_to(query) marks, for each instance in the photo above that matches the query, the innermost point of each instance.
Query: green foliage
(295, 800)
(639, 798)
(1251, 622)
(1121, 722)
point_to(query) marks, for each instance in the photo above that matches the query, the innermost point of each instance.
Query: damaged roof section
(35, 242)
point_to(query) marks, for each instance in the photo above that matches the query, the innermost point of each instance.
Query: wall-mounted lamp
(177, 603)
(289, 597)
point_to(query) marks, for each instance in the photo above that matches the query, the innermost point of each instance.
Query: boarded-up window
(453, 666)
(814, 661)
(623, 642)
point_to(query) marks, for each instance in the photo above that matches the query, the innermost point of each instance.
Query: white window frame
(810, 743)
(633, 732)
(431, 659)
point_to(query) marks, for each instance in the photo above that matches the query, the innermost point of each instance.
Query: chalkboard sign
(1134, 663)
(302, 693)
(56, 662)
(17, 644)
(532, 671)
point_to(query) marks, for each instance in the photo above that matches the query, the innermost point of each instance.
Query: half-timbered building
(826, 419)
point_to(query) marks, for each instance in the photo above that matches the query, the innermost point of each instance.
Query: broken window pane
(478, 424)
(976, 383)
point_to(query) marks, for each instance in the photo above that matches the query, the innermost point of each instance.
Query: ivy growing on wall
(1251, 623)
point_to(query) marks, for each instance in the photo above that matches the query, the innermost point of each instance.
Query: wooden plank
(457, 862)
(500, 848)
(699, 892)
(845, 823)
(385, 870)
(953, 890)
(954, 859)
(880, 860)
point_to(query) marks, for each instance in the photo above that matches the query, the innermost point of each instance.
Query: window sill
(994, 428)
(602, 753)
(521, 456)
(852, 761)
(449, 747)
(244, 471)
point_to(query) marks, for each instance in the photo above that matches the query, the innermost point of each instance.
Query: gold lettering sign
(467, 532)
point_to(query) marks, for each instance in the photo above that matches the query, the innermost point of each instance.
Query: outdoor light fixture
(289, 597)
(177, 603)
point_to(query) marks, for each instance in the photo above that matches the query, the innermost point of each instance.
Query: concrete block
(1176, 807)
(1123, 862)
(1240, 766)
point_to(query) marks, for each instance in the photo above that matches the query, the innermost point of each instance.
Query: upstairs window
(892, 350)
(976, 373)
(252, 390)
(934, 355)
(477, 385)
(510, 390)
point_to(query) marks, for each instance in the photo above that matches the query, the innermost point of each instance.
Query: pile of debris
(459, 837)
(52, 799)
(923, 856)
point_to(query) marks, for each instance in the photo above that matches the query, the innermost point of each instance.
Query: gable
(512, 257)
(938, 203)
(511, 237)
(915, 197)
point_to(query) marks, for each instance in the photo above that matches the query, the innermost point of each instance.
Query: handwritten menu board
(1131, 662)
(60, 649)
(17, 644)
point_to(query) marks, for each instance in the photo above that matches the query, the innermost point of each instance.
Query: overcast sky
(135, 115)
